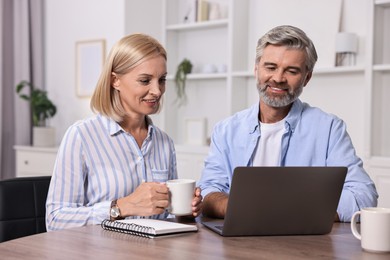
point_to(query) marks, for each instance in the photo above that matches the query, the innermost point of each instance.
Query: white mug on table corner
(181, 193)
(374, 229)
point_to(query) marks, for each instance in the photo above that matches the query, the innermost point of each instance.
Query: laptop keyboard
(219, 227)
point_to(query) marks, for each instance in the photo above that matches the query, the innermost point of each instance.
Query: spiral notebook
(147, 227)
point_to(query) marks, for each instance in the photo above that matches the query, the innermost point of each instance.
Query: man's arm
(215, 204)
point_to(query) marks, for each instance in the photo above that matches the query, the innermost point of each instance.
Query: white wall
(67, 22)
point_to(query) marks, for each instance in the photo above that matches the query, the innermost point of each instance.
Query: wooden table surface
(92, 242)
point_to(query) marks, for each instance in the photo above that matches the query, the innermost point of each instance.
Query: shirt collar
(292, 117)
(114, 128)
(254, 118)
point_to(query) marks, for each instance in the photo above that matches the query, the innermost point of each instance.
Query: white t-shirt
(269, 146)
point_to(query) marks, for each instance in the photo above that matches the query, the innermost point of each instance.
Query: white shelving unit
(378, 93)
(211, 96)
(216, 42)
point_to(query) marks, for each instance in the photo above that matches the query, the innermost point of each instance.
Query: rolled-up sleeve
(359, 190)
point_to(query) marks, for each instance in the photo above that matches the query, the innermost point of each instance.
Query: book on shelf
(147, 227)
(203, 11)
(191, 15)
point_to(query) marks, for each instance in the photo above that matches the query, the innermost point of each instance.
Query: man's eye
(270, 68)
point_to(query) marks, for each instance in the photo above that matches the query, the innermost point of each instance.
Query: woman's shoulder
(88, 121)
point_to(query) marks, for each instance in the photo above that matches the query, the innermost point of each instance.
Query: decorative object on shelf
(209, 68)
(222, 68)
(42, 108)
(214, 13)
(346, 49)
(183, 69)
(191, 14)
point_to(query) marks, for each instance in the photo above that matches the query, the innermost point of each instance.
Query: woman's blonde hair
(126, 54)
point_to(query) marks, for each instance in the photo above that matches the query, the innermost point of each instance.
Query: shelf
(379, 161)
(382, 2)
(339, 70)
(202, 76)
(29, 148)
(198, 25)
(382, 67)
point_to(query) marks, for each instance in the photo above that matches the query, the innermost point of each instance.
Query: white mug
(181, 193)
(374, 229)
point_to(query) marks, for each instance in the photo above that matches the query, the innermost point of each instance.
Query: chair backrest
(22, 206)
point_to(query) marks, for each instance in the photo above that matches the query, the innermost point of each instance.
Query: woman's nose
(155, 89)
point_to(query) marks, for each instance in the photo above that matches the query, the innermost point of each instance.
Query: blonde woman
(114, 165)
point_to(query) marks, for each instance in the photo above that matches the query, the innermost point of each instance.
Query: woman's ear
(114, 81)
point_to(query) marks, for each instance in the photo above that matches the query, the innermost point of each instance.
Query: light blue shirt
(312, 138)
(98, 162)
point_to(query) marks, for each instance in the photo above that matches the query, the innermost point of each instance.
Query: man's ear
(114, 81)
(255, 69)
(307, 79)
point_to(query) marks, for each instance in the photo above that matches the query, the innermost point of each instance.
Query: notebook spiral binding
(132, 229)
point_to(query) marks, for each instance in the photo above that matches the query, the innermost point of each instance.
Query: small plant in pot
(42, 108)
(183, 69)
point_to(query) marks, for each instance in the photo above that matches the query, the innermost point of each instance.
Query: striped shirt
(98, 162)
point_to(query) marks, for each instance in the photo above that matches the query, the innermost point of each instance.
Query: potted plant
(42, 108)
(183, 69)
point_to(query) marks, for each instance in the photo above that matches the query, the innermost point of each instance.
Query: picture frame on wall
(90, 55)
(195, 131)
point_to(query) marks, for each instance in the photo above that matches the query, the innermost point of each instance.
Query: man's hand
(215, 204)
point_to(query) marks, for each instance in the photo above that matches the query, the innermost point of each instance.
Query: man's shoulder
(312, 112)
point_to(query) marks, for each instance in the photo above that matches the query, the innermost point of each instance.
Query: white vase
(44, 136)
(214, 13)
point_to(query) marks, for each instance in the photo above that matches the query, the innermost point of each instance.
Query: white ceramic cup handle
(354, 230)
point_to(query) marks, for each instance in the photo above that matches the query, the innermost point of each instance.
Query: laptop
(281, 201)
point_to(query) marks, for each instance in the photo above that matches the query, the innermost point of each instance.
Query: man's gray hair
(292, 37)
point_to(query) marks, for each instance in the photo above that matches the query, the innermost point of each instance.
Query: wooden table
(92, 242)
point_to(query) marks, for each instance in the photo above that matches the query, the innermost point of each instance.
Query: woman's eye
(144, 81)
(162, 80)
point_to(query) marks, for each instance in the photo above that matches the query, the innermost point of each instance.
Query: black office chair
(22, 206)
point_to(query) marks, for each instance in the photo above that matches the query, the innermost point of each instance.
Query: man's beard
(280, 100)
